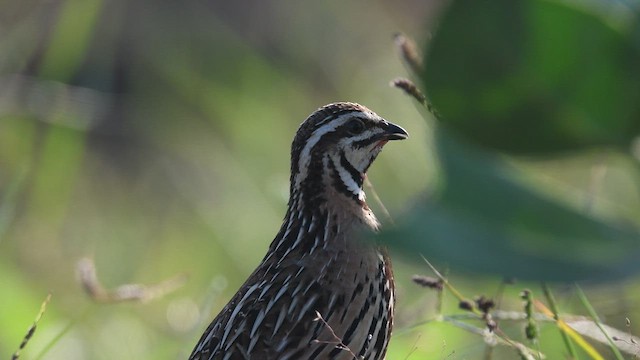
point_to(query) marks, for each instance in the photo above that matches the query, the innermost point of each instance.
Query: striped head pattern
(334, 147)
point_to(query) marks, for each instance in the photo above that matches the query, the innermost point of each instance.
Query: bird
(322, 291)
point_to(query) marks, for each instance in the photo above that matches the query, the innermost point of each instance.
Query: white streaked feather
(256, 324)
(235, 312)
(347, 180)
(280, 320)
(305, 154)
(306, 306)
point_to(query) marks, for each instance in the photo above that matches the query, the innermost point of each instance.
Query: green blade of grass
(582, 343)
(596, 319)
(554, 308)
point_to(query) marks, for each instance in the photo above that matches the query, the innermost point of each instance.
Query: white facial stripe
(324, 120)
(365, 135)
(360, 158)
(305, 154)
(346, 178)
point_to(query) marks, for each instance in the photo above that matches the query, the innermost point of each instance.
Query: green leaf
(537, 76)
(483, 220)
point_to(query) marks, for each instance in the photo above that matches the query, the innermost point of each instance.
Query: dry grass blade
(129, 292)
(590, 350)
(624, 341)
(32, 329)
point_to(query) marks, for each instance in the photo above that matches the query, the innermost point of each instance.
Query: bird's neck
(327, 220)
(333, 190)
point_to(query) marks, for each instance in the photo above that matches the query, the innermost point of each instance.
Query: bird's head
(336, 145)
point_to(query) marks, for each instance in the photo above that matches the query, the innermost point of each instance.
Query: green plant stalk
(440, 301)
(596, 320)
(554, 308)
(531, 330)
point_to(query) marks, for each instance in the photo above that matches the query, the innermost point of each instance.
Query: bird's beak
(394, 132)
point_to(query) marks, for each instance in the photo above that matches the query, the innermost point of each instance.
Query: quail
(321, 291)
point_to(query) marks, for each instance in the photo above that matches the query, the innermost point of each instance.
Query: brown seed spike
(428, 282)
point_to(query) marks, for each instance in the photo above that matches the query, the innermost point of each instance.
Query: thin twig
(450, 287)
(337, 341)
(377, 199)
(415, 346)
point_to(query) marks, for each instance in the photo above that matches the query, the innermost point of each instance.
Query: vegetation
(144, 168)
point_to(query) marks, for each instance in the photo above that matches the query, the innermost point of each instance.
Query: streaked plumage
(316, 264)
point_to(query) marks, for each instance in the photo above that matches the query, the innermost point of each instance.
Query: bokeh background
(152, 137)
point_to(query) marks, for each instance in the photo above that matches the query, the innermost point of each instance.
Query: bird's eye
(355, 126)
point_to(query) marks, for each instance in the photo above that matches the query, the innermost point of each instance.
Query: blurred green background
(153, 137)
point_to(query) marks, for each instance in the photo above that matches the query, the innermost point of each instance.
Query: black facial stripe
(337, 181)
(365, 142)
(355, 174)
(339, 132)
(333, 117)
